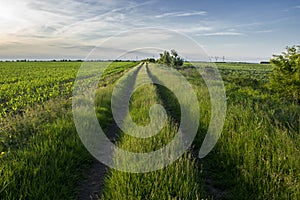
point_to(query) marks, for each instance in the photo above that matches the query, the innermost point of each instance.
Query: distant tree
(174, 53)
(165, 58)
(285, 78)
(152, 60)
(265, 62)
(171, 60)
(176, 61)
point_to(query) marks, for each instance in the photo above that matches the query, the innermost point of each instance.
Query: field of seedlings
(42, 156)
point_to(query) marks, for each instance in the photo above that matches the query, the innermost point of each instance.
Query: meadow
(42, 157)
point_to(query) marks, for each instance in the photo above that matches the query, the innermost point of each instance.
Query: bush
(285, 78)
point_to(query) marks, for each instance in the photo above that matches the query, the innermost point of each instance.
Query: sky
(242, 30)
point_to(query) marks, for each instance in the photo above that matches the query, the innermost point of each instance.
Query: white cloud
(72, 21)
(221, 34)
(247, 25)
(264, 31)
(195, 29)
(181, 14)
(54, 28)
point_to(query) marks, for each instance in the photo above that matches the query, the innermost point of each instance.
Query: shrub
(285, 77)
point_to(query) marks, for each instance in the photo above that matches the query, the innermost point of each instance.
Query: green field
(42, 157)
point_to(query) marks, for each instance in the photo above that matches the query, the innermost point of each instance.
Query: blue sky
(239, 30)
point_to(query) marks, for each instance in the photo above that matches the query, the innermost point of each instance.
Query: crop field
(42, 156)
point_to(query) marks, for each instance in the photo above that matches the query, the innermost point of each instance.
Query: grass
(49, 157)
(42, 156)
(257, 156)
(180, 180)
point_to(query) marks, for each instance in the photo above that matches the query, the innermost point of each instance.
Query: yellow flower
(2, 153)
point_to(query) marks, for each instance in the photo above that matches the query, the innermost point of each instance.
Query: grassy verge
(179, 180)
(257, 156)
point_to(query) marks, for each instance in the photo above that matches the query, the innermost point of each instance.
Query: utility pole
(216, 57)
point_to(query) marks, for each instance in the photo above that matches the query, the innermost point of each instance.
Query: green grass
(257, 156)
(48, 157)
(42, 156)
(180, 180)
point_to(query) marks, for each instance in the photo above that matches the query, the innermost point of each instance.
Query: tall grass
(48, 158)
(257, 156)
(179, 180)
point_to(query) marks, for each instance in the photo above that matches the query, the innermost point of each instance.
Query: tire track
(92, 186)
(174, 112)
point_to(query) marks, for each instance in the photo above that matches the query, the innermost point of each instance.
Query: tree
(165, 58)
(176, 60)
(285, 77)
(171, 60)
(174, 53)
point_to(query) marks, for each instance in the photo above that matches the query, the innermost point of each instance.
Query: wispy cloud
(221, 34)
(247, 25)
(79, 20)
(181, 14)
(264, 31)
(195, 29)
(73, 27)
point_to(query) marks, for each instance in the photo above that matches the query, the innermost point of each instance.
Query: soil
(91, 188)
